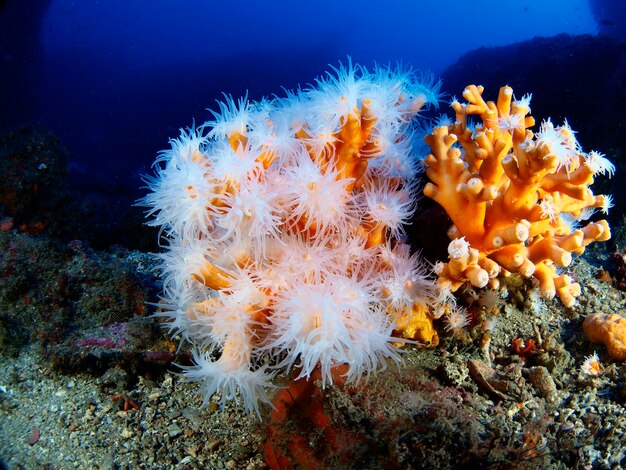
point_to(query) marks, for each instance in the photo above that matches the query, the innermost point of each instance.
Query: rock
(541, 379)
(487, 378)
(173, 430)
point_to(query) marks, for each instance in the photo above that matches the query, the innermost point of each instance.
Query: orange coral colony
(516, 199)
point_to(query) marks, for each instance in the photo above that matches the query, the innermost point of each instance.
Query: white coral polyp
(232, 382)
(458, 247)
(181, 198)
(331, 323)
(407, 279)
(316, 197)
(390, 206)
(273, 222)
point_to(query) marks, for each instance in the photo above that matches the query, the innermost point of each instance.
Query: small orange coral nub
(418, 325)
(610, 330)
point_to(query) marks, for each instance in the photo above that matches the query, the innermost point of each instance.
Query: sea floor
(50, 420)
(516, 398)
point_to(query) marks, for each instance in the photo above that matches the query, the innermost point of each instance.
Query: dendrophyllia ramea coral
(283, 221)
(517, 200)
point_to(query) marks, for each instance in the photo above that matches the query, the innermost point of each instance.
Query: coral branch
(516, 198)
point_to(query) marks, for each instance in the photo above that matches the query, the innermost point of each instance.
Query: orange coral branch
(511, 194)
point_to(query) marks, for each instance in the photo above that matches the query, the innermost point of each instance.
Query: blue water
(115, 79)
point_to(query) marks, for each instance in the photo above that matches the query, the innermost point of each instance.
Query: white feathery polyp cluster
(281, 220)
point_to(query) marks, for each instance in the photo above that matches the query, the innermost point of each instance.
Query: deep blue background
(115, 79)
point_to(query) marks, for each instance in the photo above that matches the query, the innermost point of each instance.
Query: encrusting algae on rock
(284, 221)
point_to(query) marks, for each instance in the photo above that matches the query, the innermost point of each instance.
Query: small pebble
(231, 464)
(214, 444)
(173, 430)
